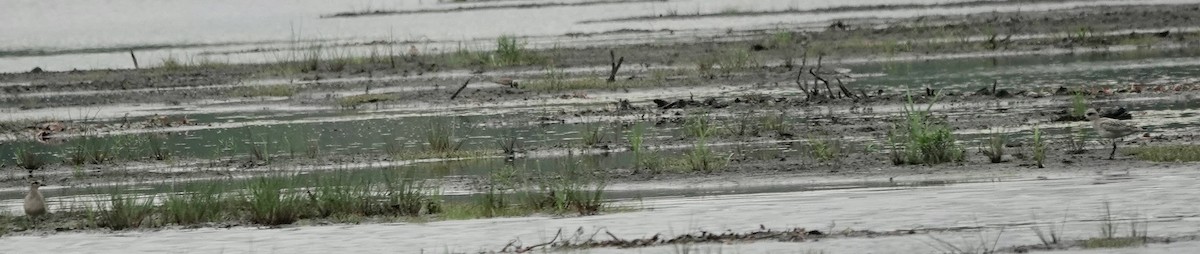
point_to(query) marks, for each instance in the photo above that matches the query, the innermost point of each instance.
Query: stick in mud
(460, 89)
(616, 65)
(800, 77)
(135, 64)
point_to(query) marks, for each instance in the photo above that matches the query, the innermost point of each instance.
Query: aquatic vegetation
(1108, 233)
(91, 150)
(824, 149)
(352, 102)
(592, 135)
(699, 126)
(28, 160)
(1039, 148)
(775, 123)
(258, 149)
(702, 159)
(510, 52)
(268, 201)
(1078, 105)
(509, 144)
(439, 139)
(920, 139)
(1169, 153)
(643, 159)
(125, 211)
(995, 147)
(199, 205)
(272, 90)
(157, 148)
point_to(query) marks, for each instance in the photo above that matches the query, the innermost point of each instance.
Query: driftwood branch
(819, 78)
(135, 64)
(530, 248)
(460, 89)
(820, 60)
(845, 91)
(616, 65)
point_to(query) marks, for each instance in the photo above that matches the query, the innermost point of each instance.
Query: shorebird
(35, 204)
(1111, 129)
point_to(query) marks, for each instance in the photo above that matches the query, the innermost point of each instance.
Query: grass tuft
(268, 202)
(643, 159)
(91, 150)
(823, 149)
(440, 139)
(702, 159)
(995, 147)
(1078, 105)
(920, 139)
(510, 52)
(28, 160)
(699, 126)
(126, 211)
(193, 207)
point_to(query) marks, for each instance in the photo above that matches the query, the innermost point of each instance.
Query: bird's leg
(1114, 150)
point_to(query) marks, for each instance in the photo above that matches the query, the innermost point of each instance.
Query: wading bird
(1111, 129)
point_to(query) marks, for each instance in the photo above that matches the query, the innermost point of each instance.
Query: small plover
(35, 204)
(1111, 129)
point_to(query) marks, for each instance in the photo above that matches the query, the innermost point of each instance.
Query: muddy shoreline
(722, 113)
(857, 40)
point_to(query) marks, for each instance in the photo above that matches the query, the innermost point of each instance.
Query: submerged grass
(1171, 153)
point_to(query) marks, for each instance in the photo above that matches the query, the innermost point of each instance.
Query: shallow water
(227, 128)
(63, 35)
(1013, 207)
